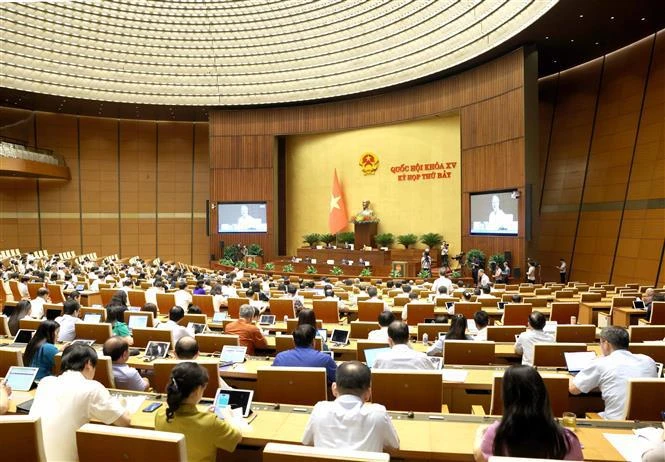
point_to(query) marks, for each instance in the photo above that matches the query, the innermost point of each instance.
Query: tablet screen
(237, 399)
(21, 378)
(138, 321)
(233, 354)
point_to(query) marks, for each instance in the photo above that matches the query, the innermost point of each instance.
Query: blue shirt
(307, 357)
(44, 360)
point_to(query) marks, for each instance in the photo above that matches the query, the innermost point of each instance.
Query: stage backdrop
(415, 189)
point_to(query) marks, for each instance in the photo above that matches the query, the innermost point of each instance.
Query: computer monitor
(639, 305)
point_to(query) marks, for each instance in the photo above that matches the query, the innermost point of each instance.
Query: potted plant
(311, 239)
(407, 239)
(227, 262)
(384, 239)
(288, 268)
(327, 238)
(423, 273)
(269, 266)
(475, 255)
(310, 270)
(336, 270)
(498, 259)
(455, 275)
(431, 240)
(240, 264)
(346, 238)
(252, 265)
(254, 249)
(395, 274)
(365, 272)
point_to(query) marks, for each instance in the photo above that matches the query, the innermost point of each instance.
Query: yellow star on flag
(334, 202)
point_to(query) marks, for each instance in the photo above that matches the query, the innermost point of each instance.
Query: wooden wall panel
(19, 223)
(200, 239)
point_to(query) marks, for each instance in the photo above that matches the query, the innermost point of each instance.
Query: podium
(364, 234)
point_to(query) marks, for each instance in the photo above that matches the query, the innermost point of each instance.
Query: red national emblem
(369, 163)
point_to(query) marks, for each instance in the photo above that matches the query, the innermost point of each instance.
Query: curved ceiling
(245, 52)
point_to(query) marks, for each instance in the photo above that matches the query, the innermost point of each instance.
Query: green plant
(269, 266)
(498, 259)
(431, 240)
(336, 270)
(311, 239)
(288, 268)
(254, 249)
(384, 239)
(407, 239)
(240, 264)
(233, 252)
(252, 265)
(310, 270)
(327, 238)
(347, 237)
(395, 274)
(366, 272)
(475, 255)
(424, 274)
(455, 275)
(227, 262)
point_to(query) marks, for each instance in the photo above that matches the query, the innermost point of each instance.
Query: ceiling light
(643, 19)
(554, 61)
(597, 43)
(611, 17)
(572, 40)
(547, 37)
(581, 16)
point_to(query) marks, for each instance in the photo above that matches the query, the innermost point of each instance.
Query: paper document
(631, 447)
(131, 403)
(453, 375)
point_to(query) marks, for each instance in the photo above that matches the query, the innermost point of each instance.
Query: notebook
(639, 305)
(84, 341)
(576, 361)
(323, 334)
(80, 287)
(21, 378)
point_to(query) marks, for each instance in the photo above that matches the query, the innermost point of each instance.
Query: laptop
(156, 350)
(52, 314)
(84, 341)
(80, 287)
(240, 401)
(196, 327)
(639, 305)
(92, 317)
(500, 305)
(340, 337)
(219, 317)
(232, 354)
(267, 319)
(21, 378)
(372, 353)
(576, 361)
(140, 322)
(23, 337)
(450, 305)
(323, 334)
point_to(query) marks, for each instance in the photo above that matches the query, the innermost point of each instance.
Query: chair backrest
(4, 326)
(119, 443)
(281, 307)
(467, 309)
(326, 310)
(162, 372)
(99, 332)
(361, 329)
(213, 343)
(657, 313)
(557, 389)
(90, 310)
(151, 319)
(589, 297)
(196, 318)
(543, 291)
(106, 295)
(468, 352)
(575, 333)
(562, 311)
(488, 302)
(21, 438)
(536, 302)
(291, 385)
(403, 390)
(136, 297)
(13, 286)
(29, 323)
(234, 304)
(10, 357)
(285, 342)
(205, 303)
(33, 287)
(655, 351)
(362, 345)
(55, 292)
(277, 452)
(620, 301)
(432, 330)
(144, 335)
(291, 324)
(564, 294)
(400, 300)
(369, 311)
(516, 314)
(639, 408)
(441, 301)
(551, 354)
(526, 289)
(504, 333)
(165, 302)
(419, 311)
(646, 333)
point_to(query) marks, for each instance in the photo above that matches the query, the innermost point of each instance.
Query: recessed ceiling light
(611, 17)
(597, 43)
(572, 40)
(547, 37)
(581, 16)
(643, 19)
(554, 61)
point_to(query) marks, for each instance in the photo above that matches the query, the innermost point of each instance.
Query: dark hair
(615, 336)
(115, 347)
(193, 309)
(151, 308)
(119, 298)
(73, 295)
(372, 292)
(186, 348)
(481, 319)
(176, 313)
(537, 321)
(329, 293)
(457, 329)
(467, 295)
(115, 313)
(406, 288)
(185, 378)
(182, 285)
(353, 378)
(42, 291)
(398, 332)
(70, 307)
(22, 310)
(216, 290)
(45, 334)
(517, 298)
(443, 289)
(304, 335)
(486, 289)
(75, 357)
(527, 428)
(386, 318)
(307, 316)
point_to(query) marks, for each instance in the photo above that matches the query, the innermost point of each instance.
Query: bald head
(187, 348)
(115, 347)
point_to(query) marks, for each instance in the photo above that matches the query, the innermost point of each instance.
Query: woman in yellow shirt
(204, 431)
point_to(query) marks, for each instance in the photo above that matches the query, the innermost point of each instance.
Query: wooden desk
(624, 316)
(88, 298)
(374, 257)
(589, 312)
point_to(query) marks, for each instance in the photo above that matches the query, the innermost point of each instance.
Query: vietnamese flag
(337, 218)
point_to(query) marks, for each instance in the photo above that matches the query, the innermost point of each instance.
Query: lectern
(364, 234)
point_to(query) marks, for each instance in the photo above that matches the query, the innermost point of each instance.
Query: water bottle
(286, 318)
(573, 319)
(425, 339)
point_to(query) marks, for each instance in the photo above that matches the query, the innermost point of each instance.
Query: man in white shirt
(381, 335)
(483, 279)
(182, 297)
(442, 280)
(37, 305)
(177, 331)
(350, 422)
(486, 291)
(401, 355)
(68, 321)
(534, 334)
(23, 288)
(482, 320)
(228, 290)
(66, 402)
(611, 372)
(126, 377)
(151, 292)
(373, 294)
